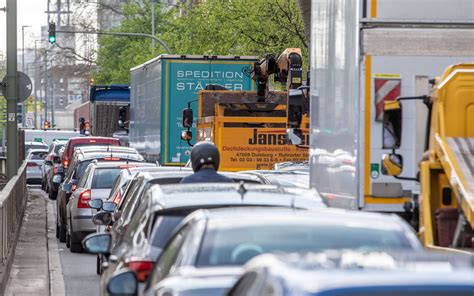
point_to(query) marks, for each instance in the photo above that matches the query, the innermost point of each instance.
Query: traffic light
(52, 32)
(46, 125)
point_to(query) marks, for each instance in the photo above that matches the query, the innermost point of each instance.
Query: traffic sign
(25, 86)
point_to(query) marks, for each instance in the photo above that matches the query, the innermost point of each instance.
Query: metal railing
(13, 199)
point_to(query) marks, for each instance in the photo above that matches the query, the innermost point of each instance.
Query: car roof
(36, 143)
(100, 148)
(112, 164)
(196, 195)
(106, 154)
(328, 216)
(86, 139)
(350, 269)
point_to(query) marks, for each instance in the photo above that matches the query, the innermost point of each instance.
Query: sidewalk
(36, 264)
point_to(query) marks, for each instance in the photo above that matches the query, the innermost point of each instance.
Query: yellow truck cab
(447, 170)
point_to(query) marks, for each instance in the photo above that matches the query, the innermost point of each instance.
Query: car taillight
(111, 158)
(141, 267)
(55, 168)
(84, 198)
(117, 197)
(31, 164)
(65, 163)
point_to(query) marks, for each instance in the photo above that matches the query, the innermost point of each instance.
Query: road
(67, 273)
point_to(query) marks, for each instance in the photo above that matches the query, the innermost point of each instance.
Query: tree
(214, 27)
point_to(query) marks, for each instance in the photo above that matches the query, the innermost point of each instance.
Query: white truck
(365, 52)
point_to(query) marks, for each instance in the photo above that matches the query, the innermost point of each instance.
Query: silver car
(35, 161)
(96, 183)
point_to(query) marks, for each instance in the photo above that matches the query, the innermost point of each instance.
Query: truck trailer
(162, 87)
(364, 53)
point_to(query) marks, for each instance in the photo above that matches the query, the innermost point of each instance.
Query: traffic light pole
(12, 90)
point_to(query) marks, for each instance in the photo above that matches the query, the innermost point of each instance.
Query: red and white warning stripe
(385, 90)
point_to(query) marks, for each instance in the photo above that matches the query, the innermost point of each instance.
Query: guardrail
(13, 199)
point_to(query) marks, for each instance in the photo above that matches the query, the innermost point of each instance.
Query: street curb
(56, 280)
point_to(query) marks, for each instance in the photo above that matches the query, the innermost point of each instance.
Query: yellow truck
(249, 135)
(446, 205)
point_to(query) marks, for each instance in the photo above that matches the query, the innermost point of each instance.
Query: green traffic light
(52, 39)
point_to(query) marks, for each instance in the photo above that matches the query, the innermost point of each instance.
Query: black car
(74, 173)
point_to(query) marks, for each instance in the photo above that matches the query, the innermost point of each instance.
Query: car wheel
(62, 233)
(74, 244)
(98, 266)
(57, 227)
(51, 195)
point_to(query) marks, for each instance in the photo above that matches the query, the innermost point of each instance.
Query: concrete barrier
(13, 199)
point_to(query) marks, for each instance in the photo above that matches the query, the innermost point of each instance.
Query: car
(77, 142)
(165, 206)
(356, 273)
(73, 174)
(230, 237)
(51, 165)
(34, 162)
(96, 183)
(35, 145)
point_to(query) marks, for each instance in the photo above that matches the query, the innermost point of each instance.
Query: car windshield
(236, 243)
(104, 178)
(163, 229)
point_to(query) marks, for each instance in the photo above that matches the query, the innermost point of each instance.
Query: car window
(115, 185)
(244, 285)
(104, 178)
(236, 244)
(169, 255)
(163, 228)
(82, 183)
(57, 148)
(80, 169)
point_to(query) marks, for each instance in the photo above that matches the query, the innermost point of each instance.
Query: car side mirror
(188, 118)
(109, 206)
(97, 243)
(123, 283)
(392, 125)
(392, 164)
(102, 218)
(96, 204)
(186, 135)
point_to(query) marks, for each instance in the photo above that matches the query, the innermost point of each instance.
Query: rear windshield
(167, 181)
(104, 178)
(235, 244)
(38, 155)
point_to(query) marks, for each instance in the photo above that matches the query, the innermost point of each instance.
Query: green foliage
(214, 27)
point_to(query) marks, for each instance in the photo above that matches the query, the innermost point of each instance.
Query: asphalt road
(78, 269)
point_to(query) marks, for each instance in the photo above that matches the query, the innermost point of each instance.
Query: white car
(35, 160)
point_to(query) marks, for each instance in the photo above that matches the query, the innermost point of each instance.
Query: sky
(30, 13)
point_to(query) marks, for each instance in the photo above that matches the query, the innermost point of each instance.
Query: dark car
(356, 273)
(51, 163)
(74, 173)
(164, 207)
(230, 237)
